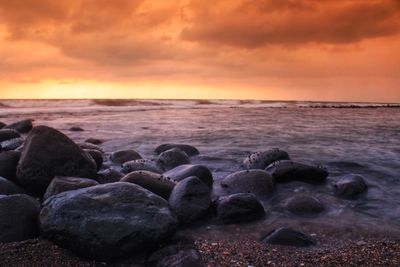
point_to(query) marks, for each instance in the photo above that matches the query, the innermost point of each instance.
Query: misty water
(344, 140)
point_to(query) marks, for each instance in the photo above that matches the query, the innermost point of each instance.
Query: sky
(323, 50)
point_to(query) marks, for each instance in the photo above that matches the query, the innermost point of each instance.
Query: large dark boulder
(109, 176)
(48, 153)
(190, 199)
(140, 165)
(257, 182)
(154, 182)
(350, 186)
(122, 156)
(23, 126)
(288, 171)
(9, 188)
(7, 134)
(18, 218)
(61, 184)
(261, 160)
(238, 208)
(187, 170)
(8, 164)
(172, 158)
(107, 221)
(188, 149)
(288, 237)
(303, 205)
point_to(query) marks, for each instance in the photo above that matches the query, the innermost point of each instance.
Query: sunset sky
(340, 50)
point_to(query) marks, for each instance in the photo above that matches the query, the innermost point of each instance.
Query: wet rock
(261, 160)
(8, 164)
(187, 170)
(287, 171)
(172, 158)
(188, 149)
(76, 129)
(48, 153)
(288, 237)
(107, 221)
(176, 256)
(303, 205)
(122, 156)
(140, 165)
(9, 188)
(257, 182)
(237, 208)
(61, 184)
(90, 146)
(18, 218)
(2, 125)
(109, 176)
(350, 186)
(7, 134)
(190, 199)
(23, 126)
(11, 144)
(94, 141)
(154, 182)
(97, 156)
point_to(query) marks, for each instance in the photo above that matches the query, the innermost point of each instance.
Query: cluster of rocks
(103, 206)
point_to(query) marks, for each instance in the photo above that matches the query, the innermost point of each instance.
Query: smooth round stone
(257, 182)
(109, 176)
(8, 164)
(187, 170)
(11, 144)
(288, 237)
(122, 156)
(7, 134)
(172, 158)
(18, 218)
(288, 171)
(97, 156)
(61, 184)
(107, 221)
(261, 160)
(94, 141)
(140, 165)
(91, 146)
(76, 129)
(188, 149)
(350, 186)
(156, 183)
(23, 126)
(303, 205)
(9, 188)
(176, 256)
(238, 208)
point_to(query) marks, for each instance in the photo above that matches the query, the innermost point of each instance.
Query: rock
(8, 164)
(90, 146)
(237, 208)
(109, 176)
(18, 218)
(257, 182)
(61, 184)
(23, 126)
(9, 188)
(188, 149)
(7, 134)
(94, 141)
(288, 171)
(190, 199)
(97, 156)
(2, 125)
(122, 156)
(154, 182)
(176, 256)
(107, 221)
(261, 160)
(172, 158)
(140, 165)
(288, 237)
(76, 129)
(48, 153)
(350, 186)
(187, 170)
(303, 205)
(11, 144)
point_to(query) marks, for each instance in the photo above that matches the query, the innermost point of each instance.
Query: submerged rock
(122, 156)
(107, 221)
(76, 129)
(288, 171)
(261, 160)
(94, 141)
(188, 149)
(176, 256)
(9, 188)
(187, 170)
(140, 165)
(190, 199)
(8, 164)
(154, 182)
(2, 125)
(48, 153)
(350, 186)
(237, 208)
(257, 182)
(23, 126)
(97, 156)
(7, 134)
(61, 184)
(303, 205)
(172, 158)
(288, 237)
(18, 218)
(109, 176)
